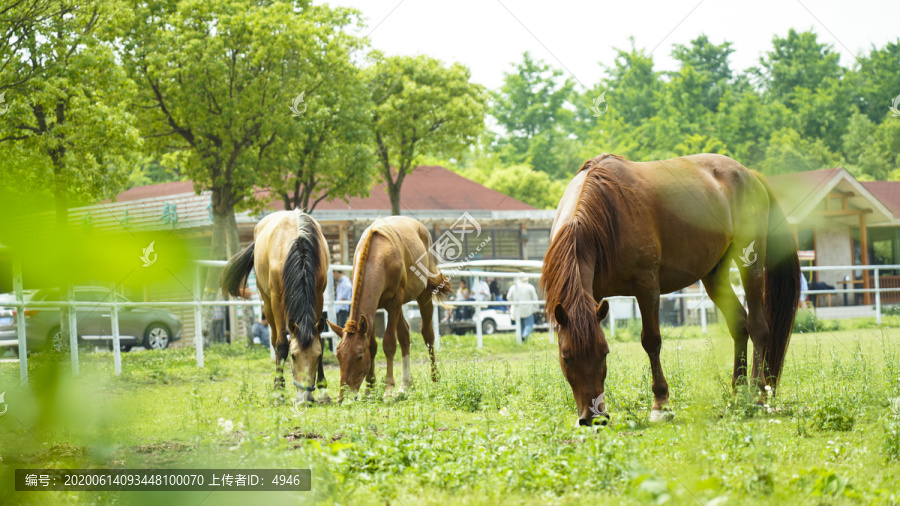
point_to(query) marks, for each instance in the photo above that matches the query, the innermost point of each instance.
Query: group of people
(520, 291)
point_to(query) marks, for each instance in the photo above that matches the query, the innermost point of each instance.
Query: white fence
(474, 268)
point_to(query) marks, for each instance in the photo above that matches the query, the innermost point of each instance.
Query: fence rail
(472, 268)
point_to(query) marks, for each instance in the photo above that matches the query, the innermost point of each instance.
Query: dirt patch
(163, 447)
(62, 451)
(299, 434)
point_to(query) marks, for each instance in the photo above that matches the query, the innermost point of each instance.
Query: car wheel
(55, 341)
(126, 347)
(488, 327)
(157, 337)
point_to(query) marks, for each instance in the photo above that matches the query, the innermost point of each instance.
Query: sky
(575, 36)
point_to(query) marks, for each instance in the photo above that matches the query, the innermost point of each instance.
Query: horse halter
(297, 383)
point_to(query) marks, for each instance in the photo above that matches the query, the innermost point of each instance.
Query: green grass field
(497, 428)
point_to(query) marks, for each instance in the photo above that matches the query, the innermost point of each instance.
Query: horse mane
(359, 270)
(591, 236)
(301, 268)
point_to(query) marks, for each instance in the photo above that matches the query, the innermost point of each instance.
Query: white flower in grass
(504, 412)
(225, 426)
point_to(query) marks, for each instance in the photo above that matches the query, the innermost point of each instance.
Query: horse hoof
(324, 399)
(659, 415)
(401, 395)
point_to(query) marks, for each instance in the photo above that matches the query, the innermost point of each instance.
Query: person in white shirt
(522, 290)
(481, 291)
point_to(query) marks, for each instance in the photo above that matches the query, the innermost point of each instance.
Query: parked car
(152, 328)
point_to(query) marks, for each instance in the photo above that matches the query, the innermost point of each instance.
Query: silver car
(152, 328)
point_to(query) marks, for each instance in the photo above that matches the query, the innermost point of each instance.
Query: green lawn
(498, 427)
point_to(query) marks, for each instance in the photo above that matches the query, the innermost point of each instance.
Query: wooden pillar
(864, 254)
(523, 241)
(342, 234)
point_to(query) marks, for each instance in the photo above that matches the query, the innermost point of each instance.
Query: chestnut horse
(641, 229)
(393, 265)
(290, 256)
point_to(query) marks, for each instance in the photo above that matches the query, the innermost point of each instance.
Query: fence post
(436, 325)
(198, 317)
(331, 306)
(877, 298)
(612, 320)
(703, 309)
(73, 328)
(114, 323)
(549, 326)
(20, 320)
(478, 325)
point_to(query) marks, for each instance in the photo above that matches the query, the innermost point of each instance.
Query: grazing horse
(641, 229)
(290, 256)
(393, 265)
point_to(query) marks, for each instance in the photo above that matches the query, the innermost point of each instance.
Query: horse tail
(782, 287)
(299, 280)
(442, 289)
(234, 277)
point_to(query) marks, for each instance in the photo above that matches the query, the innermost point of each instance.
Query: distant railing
(889, 292)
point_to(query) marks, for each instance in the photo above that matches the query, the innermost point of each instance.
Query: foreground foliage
(497, 427)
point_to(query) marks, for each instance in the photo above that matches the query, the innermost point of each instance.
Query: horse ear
(322, 325)
(602, 310)
(560, 315)
(363, 325)
(334, 328)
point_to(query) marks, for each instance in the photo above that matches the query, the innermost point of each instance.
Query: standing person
(260, 332)
(523, 291)
(462, 293)
(218, 324)
(343, 289)
(480, 292)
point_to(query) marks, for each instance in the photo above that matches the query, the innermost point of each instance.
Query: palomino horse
(641, 229)
(393, 265)
(290, 256)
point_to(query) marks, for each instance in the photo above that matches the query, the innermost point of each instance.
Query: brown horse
(642, 229)
(393, 265)
(290, 256)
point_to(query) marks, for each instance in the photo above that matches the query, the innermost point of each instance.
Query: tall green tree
(420, 106)
(327, 153)
(876, 80)
(709, 61)
(222, 81)
(66, 123)
(530, 108)
(797, 61)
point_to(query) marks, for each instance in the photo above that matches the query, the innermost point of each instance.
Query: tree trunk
(61, 204)
(223, 245)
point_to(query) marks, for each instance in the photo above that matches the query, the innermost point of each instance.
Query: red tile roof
(888, 192)
(428, 187)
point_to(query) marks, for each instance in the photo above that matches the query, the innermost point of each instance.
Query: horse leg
(373, 349)
(389, 344)
(426, 309)
(753, 278)
(403, 337)
(651, 340)
(321, 382)
(280, 342)
(722, 294)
